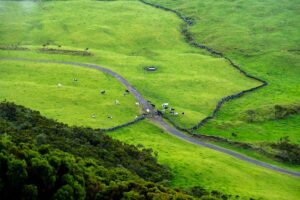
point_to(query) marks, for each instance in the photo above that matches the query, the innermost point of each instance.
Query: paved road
(159, 121)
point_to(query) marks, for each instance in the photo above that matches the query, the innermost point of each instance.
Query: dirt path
(159, 121)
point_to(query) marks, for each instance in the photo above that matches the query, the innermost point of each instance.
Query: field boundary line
(156, 118)
(131, 89)
(188, 22)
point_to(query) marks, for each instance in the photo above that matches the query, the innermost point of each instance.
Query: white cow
(165, 105)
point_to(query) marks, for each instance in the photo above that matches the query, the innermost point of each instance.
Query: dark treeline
(27, 126)
(43, 159)
(41, 172)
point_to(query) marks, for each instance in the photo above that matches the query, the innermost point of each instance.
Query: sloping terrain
(129, 36)
(126, 37)
(44, 159)
(192, 165)
(51, 88)
(263, 37)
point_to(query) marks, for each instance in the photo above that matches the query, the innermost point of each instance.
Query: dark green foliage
(44, 159)
(29, 192)
(285, 111)
(276, 112)
(198, 191)
(31, 172)
(16, 173)
(287, 151)
(28, 126)
(8, 112)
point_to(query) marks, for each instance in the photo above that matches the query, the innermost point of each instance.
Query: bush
(287, 151)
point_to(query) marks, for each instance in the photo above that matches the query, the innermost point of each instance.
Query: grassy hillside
(193, 165)
(74, 102)
(78, 163)
(126, 37)
(263, 37)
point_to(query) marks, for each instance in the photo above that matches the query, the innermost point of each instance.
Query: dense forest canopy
(43, 159)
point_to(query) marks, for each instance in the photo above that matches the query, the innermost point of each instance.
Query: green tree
(29, 192)
(66, 192)
(17, 173)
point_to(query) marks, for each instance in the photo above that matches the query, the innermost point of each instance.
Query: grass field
(74, 102)
(126, 37)
(263, 37)
(194, 165)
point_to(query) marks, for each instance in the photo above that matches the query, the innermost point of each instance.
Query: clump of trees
(27, 126)
(282, 112)
(287, 151)
(275, 112)
(43, 159)
(31, 172)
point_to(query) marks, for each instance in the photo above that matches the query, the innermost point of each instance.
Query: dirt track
(159, 121)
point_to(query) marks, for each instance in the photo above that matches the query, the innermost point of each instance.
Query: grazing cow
(93, 116)
(109, 117)
(59, 85)
(172, 110)
(159, 113)
(137, 103)
(175, 113)
(165, 105)
(102, 92)
(126, 92)
(152, 105)
(117, 102)
(182, 113)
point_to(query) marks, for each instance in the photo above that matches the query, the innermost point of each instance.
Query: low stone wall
(175, 125)
(142, 117)
(47, 50)
(190, 39)
(188, 20)
(65, 52)
(14, 48)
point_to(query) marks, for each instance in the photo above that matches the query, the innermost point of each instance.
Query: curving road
(159, 121)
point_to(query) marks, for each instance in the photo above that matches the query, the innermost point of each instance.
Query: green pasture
(125, 37)
(263, 37)
(193, 165)
(36, 85)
